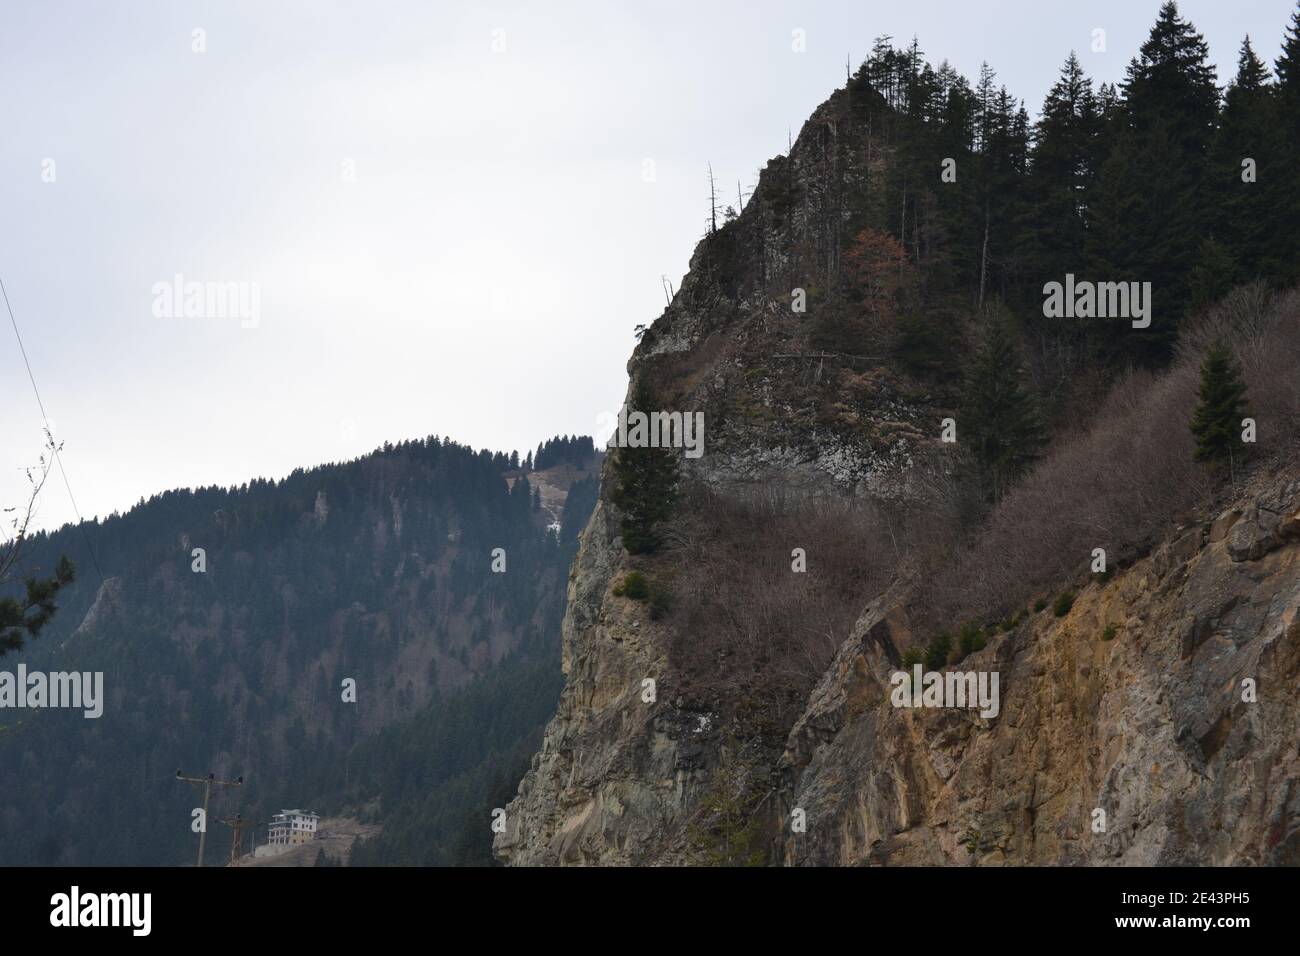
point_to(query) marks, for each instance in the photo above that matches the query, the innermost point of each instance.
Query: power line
(207, 783)
(45, 419)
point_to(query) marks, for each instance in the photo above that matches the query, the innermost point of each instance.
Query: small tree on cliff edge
(1216, 423)
(645, 485)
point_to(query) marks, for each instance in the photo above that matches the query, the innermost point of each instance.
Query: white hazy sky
(482, 275)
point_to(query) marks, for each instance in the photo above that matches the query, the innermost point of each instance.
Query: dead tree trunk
(713, 202)
(984, 255)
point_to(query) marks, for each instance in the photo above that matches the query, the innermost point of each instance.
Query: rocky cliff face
(1125, 733)
(610, 771)
(1165, 698)
(620, 777)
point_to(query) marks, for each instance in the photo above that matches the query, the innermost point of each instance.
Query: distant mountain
(233, 659)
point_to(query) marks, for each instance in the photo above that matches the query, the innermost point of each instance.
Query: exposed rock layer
(1180, 724)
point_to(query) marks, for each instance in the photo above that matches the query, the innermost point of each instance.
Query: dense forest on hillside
(232, 661)
(939, 199)
(440, 773)
(576, 450)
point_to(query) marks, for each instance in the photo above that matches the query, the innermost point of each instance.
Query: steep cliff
(620, 777)
(746, 718)
(1165, 697)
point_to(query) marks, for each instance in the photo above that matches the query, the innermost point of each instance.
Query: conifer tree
(1242, 208)
(1151, 211)
(1171, 82)
(958, 111)
(645, 485)
(26, 618)
(1063, 169)
(1288, 63)
(1283, 189)
(1000, 418)
(1216, 423)
(1213, 276)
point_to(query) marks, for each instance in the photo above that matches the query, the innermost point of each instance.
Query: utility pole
(237, 825)
(208, 783)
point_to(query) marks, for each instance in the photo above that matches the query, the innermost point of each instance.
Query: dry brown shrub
(746, 626)
(1124, 481)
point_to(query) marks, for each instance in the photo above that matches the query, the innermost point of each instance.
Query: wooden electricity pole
(207, 783)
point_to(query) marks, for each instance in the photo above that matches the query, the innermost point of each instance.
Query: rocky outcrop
(612, 771)
(1265, 524)
(1153, 724)
(619, 777)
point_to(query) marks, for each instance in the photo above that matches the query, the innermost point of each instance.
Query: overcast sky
(443, 207)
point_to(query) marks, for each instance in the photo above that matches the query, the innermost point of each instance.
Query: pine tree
(1283, 189)
(645, 486)
(1000, 201)
(26, 618)
(1213, 276)
(1000, 419)
(1171, 82)
(984, 100)
(957, 112)
(1063, 169)
(882, 69)
(1216, 423)
(1151, 211)
(1288, 63)
(1243, 208)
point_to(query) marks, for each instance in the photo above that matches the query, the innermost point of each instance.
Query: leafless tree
(19, 517)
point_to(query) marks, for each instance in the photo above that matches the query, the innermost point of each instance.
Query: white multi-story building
(291, 827)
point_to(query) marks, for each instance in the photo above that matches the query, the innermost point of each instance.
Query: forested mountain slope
(377, 571)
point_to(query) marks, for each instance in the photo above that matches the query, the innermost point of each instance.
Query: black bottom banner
(229, 906)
